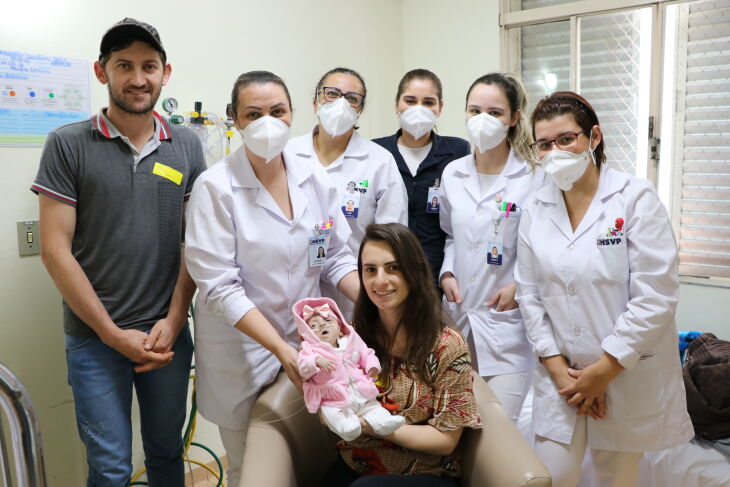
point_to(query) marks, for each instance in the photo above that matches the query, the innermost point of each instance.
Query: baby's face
(327, 329)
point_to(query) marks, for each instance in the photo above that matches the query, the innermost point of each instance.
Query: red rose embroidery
(619, 224)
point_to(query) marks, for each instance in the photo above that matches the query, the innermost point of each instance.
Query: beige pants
(610, 468)
(511, 390)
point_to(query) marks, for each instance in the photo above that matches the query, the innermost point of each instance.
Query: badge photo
(350, 204)
(432, 202)
(317, 250)
(494, 253)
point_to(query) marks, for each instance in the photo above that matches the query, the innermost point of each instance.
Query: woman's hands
(588, 391)
(504, 298)
(565, 379)
(287, 356)
(451, 288)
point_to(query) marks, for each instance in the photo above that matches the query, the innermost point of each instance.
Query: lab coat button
(571, 247)
(571, 290)
(576, 331)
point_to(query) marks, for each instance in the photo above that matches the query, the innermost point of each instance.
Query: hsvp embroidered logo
(613, 235)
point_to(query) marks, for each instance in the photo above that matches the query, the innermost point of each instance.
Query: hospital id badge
(495, 252)
(432, 202)
(317, 249)
(350, 204)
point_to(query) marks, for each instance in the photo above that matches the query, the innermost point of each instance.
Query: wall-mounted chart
(39, 93)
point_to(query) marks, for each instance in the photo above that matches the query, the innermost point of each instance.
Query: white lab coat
(580, 299)
(384, 201)
(243, 253)
(467, 218)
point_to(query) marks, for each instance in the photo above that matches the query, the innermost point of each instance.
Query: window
(658, 75)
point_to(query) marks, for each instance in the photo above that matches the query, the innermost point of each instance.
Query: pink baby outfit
(347, 392)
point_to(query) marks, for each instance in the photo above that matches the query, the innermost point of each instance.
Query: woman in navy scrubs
(422, 155)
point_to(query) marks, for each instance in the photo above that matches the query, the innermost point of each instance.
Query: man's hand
(131, 344)
(163, 335)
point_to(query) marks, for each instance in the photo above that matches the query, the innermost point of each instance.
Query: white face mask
(485, 131)
(567, 167)
(417, 120)
(265, 137)
(337, 117)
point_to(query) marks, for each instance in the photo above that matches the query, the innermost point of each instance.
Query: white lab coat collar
(243, 176)
(357, 148)
(610, 181)
(466, 168)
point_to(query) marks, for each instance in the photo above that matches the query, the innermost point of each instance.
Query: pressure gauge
(169, 105)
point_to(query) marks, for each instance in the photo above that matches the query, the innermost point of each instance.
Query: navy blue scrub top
(426, 226)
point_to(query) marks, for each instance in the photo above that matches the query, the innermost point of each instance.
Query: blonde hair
(519, 136)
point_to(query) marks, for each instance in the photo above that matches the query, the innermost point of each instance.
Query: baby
(338, 370)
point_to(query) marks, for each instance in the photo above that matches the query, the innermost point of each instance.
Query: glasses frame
(555, 141)
(362, 97)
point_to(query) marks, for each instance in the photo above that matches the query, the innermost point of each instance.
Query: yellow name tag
(167, 172)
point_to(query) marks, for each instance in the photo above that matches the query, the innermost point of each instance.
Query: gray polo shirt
(129, 217)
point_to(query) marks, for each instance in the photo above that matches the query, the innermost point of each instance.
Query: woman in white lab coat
(366, 176)
(481, 199)
(255, 223)
(598, 288)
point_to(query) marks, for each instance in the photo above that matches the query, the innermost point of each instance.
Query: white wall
(459, 41)
(704, 308)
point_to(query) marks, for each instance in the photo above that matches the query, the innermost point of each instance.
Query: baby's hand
(373, 372)
(325, 364)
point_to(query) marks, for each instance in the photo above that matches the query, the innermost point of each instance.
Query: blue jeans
(102, 381)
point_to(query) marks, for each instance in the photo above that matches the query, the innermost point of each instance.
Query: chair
(287, 446)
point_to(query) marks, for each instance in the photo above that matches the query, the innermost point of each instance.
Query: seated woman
(426, 370)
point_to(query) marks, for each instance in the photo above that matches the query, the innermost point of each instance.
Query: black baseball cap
(130, 28)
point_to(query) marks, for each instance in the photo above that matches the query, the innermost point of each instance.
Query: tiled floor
(203, 478)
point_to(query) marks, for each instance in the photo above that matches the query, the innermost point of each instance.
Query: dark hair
(519, 136)
(255, 77)
(562, 102)
(420, 74)
(341, 70)
(421, 314)
(125, 42)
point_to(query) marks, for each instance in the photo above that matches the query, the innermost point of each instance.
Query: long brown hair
(421, 314)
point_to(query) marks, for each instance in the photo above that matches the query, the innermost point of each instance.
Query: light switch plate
(29, 242)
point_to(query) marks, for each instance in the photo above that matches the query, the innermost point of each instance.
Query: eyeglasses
(331, 94)
(564, 141)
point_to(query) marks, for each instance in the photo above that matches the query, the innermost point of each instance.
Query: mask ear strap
(590, 147)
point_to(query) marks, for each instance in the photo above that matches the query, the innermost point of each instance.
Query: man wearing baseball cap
(111, 195)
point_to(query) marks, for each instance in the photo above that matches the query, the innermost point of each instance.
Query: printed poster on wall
(39, 93)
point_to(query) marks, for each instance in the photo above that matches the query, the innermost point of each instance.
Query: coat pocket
(638, 392)
(610, 263)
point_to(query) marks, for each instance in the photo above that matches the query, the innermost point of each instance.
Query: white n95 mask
(485, 131)
(417, 120)
(566, 167)
(265, 137)
(337, 117)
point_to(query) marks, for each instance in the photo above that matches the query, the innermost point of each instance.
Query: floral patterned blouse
(446, 402)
